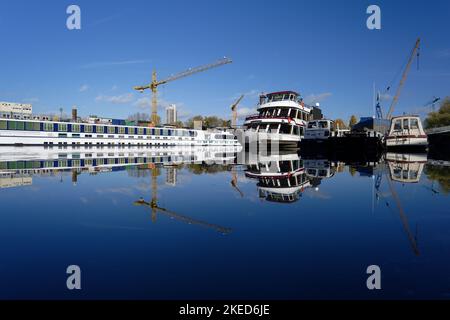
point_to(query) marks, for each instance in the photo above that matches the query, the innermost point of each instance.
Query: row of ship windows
(284, 112)
(84, 128)
(17, 165)
(278, 128)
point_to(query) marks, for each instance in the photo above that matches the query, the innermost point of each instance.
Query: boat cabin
(406, 131)
(323, 129)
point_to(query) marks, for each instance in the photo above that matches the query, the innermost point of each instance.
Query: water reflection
(216, 201)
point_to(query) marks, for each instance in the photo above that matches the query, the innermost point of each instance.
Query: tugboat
(281, 120)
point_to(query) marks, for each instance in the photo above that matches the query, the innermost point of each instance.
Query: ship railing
(257, 117)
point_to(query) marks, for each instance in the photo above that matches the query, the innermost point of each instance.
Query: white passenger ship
(54, 133)
(281, 119)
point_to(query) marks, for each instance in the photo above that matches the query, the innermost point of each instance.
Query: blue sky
(321, 49)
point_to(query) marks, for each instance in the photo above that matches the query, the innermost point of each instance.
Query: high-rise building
(171, 114)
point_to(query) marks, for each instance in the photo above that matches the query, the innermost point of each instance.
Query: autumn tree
(440, 118)
(353, 121)
(339, 123)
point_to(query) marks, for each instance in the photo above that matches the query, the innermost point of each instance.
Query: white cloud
(385, 97)
(31, 100)
(245, 112)
(144, 102)
(84, 88)
(444, 53)
(315, 98)
(119, 99)
(112, 63)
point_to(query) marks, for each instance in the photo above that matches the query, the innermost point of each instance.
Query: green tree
(441, 175)
(440, 118)
(353, 121)
(179, 124)
(190, 123)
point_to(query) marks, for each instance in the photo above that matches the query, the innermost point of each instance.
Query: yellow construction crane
(153, 86)
(402, 81)
(153, 205)
(234, 111)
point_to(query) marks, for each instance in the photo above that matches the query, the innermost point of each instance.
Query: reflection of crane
(234, 181)
(234, 111)
(155, 208)
(404, 77)
(153, 86)
(412, 239)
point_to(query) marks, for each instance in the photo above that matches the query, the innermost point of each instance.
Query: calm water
(277, 227)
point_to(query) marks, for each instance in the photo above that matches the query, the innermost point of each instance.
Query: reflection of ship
(10, 180)
(319, 168)
(281, 177)
(405, 168)
(93, 158)
(17, 167)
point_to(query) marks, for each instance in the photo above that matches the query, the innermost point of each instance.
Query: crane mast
(153, 86)
(234, 111)
(402, 81)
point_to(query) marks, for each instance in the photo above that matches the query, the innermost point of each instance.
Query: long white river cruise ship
(53, 133)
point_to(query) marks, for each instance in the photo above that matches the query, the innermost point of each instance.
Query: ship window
(323, 124)
(140, 131)
(48, 127)
(121, 130)
(3, 125)
(100, 129)
(262, 128)
(285, 129)
(62, 127)
(406, 124)
(398, 125)
(312, 124)
(88, 129)
(283, 112)
(75, 128)
(111, 130)
(20, 126)
(273, 128)
(414, 124)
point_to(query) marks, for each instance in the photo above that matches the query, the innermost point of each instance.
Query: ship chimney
(262, 99)
(74, 114)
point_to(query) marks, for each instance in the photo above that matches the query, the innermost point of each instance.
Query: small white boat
(322, 130)
(406, 133)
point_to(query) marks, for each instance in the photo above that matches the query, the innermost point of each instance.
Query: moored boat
(406, 133)
(281, 120)
(74, 133)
